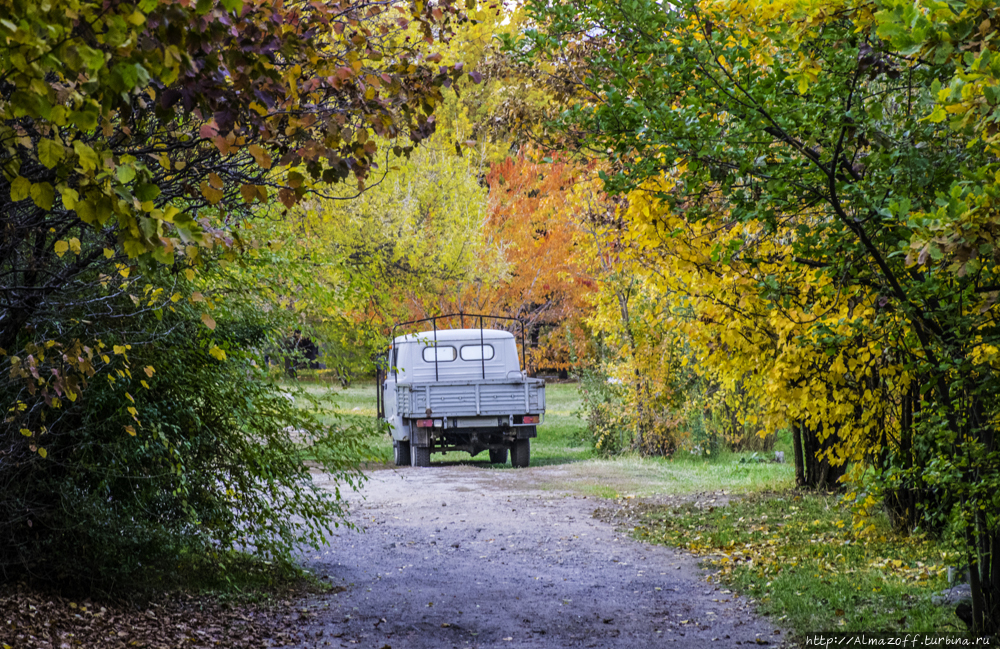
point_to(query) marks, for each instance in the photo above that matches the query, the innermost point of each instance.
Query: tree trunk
(901, 503)
(800, 471)
(816, 472)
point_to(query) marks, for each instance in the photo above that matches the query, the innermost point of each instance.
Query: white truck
(458, 390)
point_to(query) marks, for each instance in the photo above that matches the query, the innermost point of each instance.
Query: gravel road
(465, 556)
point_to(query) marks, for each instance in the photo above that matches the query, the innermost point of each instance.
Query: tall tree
(534, 222)
(122, 122)
(823, 126)
(139, 142)
(402, 249)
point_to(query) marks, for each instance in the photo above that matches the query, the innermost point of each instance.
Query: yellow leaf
(74, 246)
(175, 297)
(211, 194)
(189, 273)
(149, 370)
(108, 253)
(26, 432)
(937, 115)
(61, 248)
(144, 384)
(208, 320)
(43, 452)
(132, 411)
(130, 430)
(119, 350)
(217, 353)
(260, 155)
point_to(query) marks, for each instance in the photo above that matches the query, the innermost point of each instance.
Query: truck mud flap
(420, 436)
(527, 432)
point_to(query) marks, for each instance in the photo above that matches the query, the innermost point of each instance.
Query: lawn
(801, 559)
(560, 438)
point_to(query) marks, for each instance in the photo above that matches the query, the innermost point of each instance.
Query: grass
(562, 442)
(631, 475)
(796, 554)
(560, 438)
(799, 557)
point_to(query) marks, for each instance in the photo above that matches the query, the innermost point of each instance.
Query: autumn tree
(858, 139)
(533, 222)
(349, 269)
(139, 141)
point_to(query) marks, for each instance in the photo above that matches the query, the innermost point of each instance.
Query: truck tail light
(530, 419)
(425, 423)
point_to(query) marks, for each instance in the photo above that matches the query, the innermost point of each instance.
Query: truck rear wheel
(401, 453)
(420, 456)
(520, 453)
(498, 456)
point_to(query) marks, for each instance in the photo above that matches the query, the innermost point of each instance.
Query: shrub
(180, 454)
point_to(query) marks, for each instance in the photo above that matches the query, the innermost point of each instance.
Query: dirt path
(464, 556)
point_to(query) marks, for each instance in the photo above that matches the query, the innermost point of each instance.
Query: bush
(620, 418)
(181, 453)
(603, 406)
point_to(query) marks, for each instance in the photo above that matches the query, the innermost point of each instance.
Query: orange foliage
(533, 219)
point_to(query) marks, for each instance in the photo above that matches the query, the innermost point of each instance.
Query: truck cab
(459, 390)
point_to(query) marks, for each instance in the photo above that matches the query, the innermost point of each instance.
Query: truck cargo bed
(471, 397)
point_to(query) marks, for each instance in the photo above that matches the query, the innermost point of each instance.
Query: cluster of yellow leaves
(634, 317)
(785, 24)
(55, 371)
(802, 363)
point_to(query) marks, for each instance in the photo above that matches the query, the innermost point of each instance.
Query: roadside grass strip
(800, 560)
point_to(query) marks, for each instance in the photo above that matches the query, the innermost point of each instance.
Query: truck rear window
(477, 352)
(443, 354)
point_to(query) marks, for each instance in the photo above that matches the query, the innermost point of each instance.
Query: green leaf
(50, 152)
(43, 194)
(134, 248)
(938, 115)
(85, 120)
(163, 255)
(70, 197)
(125, 173)
(88, 157)
(147, 192)
(20, 189)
